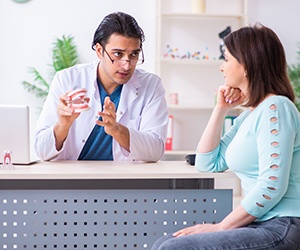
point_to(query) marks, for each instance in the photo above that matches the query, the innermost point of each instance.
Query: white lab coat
(142, 109)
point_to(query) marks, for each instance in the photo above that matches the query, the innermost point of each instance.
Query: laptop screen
(15, 133)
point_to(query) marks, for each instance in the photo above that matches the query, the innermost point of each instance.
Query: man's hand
(109, 121)
(66, 117)
(109, 117)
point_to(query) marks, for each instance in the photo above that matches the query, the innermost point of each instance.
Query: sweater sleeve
(214, 161)
(275, 131)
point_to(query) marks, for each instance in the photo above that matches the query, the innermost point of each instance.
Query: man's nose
(126, 64)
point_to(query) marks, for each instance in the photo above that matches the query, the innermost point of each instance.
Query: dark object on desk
(190, 159)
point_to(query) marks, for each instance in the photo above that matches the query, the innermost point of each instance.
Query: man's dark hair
(117, 23)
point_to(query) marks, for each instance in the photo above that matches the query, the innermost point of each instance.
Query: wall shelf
(188, 52)
(186, 108)
(192, 61)
(202, 16)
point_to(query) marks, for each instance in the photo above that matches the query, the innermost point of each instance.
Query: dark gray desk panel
(204, 183)
(103, 219)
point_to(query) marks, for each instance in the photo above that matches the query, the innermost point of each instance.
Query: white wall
(283, 17)
(27, 31)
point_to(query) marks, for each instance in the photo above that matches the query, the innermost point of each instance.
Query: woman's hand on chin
(229, 97)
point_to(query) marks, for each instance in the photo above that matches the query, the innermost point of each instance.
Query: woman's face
(234, 73)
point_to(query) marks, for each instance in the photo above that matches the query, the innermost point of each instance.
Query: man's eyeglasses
(135, 58)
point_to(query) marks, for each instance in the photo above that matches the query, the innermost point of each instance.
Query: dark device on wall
(222, 34)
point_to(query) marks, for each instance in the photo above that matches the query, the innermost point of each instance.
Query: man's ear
(99, 50)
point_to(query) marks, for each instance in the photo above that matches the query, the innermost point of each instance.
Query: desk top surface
(108, 170)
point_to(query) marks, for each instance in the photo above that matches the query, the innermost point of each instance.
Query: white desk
(104, 205)
(108, 170)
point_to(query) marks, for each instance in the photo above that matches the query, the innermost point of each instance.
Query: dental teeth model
(78, 100)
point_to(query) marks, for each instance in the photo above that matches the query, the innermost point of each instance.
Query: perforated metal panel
(103, 219)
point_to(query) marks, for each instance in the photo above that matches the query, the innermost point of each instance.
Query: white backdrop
(28, 29)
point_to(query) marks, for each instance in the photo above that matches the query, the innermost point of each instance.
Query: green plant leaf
(40, 88)
(64, 55)
(40, 93)
(294, 75)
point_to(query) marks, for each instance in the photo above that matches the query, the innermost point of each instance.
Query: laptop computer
(15, 135)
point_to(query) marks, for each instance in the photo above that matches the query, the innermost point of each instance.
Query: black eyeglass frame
(126, 60)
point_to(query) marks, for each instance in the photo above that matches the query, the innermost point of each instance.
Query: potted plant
(294, 74)
(64, 55)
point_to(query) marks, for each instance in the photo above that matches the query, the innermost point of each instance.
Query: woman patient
(262, 148)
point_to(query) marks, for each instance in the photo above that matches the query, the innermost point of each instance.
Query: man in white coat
(127, 116)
